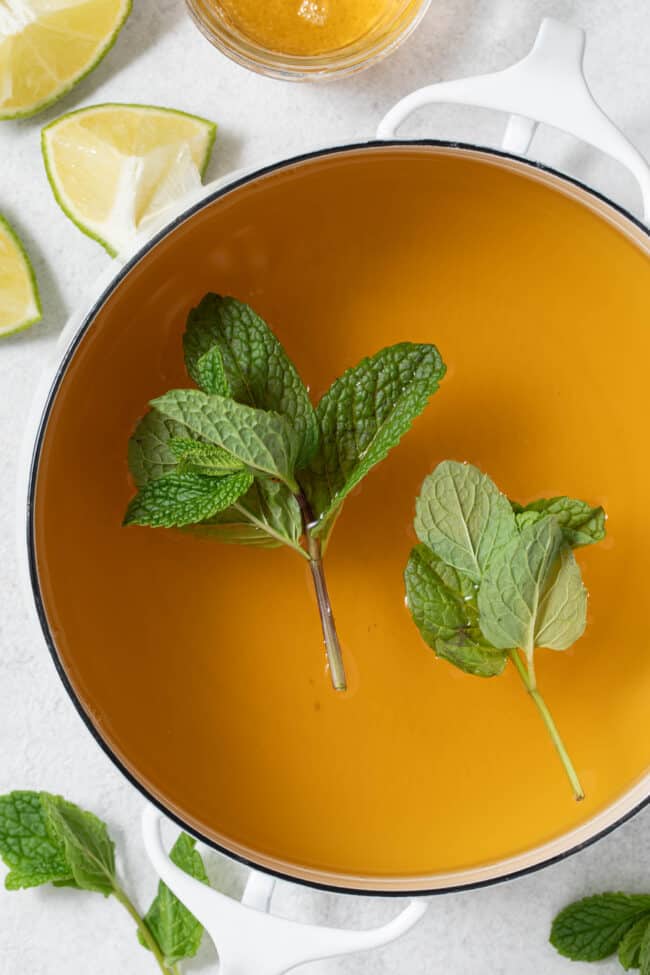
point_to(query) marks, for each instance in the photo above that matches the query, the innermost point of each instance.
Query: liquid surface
(202, 664)
(308, 27)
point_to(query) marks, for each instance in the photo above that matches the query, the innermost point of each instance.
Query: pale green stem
(330, 636)
(528, 678)
(147, 936)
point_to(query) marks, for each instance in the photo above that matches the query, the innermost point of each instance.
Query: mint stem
(147, 936)
(330, 636)
(528, 678)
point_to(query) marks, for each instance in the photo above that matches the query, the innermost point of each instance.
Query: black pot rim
(33, 474)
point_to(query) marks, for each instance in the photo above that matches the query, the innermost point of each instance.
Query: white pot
(548, 86)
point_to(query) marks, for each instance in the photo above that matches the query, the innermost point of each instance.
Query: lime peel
(27, 37)
(17, 281)
(115, 168)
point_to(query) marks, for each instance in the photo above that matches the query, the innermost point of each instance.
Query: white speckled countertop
(160, 58)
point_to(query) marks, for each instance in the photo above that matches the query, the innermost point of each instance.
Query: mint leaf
(88, 848)
(150, 455)
(581, 524)
(364, 414)
(442, 602)
(532, 594)
(463, 518)
(177, 932)
(441, 599)
(257, 369)
(472, 654)
(262, 441)
(644, 953)
(28, 847)
(591, 929)
(629, 950)
(268, 515)
(196, 457)
(184, 499)
(210, 373)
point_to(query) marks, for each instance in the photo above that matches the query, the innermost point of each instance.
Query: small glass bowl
(377, 43)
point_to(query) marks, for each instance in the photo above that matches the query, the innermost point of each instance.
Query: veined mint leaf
(472, 655)
(532, 594)
(262, 441)
(442, 602)
(197, 457)
(644, 954)
(591, 929)
(257, 369)
(177, 932)
(210, 373)
(364, 414)
(629, 950)
(28, 847)
(463, 518)
(89, 849)
(581, 524)
(150, 455)
(184, 499)
(268, 515)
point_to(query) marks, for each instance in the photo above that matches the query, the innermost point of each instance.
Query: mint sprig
(44, 839)
(247, 459)
(492, 580)
(595, 928)
(176, 930)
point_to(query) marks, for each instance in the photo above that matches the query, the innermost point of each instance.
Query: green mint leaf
(471, 654)
(28, 847)
(262, 441)
(210, 373)
(364, 414)
(581, 524)
(150, 455)
(532, 594)
(629, 950)
(257, 369)
(442, 602)
(463, 518)
(644, 953)
(268, 515)
(184, 499)
(88, 848)
(197, 457)
(177, 932)
(591, 929)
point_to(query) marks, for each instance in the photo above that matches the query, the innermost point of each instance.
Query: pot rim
(501, 870)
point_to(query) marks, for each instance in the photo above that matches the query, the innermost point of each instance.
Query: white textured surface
(161, 59)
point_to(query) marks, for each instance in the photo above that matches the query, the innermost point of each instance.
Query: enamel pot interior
(199, 666)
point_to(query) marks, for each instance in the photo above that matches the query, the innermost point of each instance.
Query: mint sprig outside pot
(44, 839)
(598, 927)
(246, 458)
(493, 580)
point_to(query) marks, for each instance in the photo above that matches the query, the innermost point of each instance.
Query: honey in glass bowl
(307, 39)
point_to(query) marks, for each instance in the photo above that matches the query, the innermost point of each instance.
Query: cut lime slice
(115, 169)
(47, 46)
(20, 305)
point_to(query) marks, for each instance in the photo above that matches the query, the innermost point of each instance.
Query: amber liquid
(202, 664)
(308, 27)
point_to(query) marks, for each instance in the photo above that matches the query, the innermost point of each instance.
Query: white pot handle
(547, 86)
(249, 938)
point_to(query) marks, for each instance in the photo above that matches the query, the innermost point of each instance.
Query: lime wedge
(20, 306)
(114, 169)
(47, 46)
